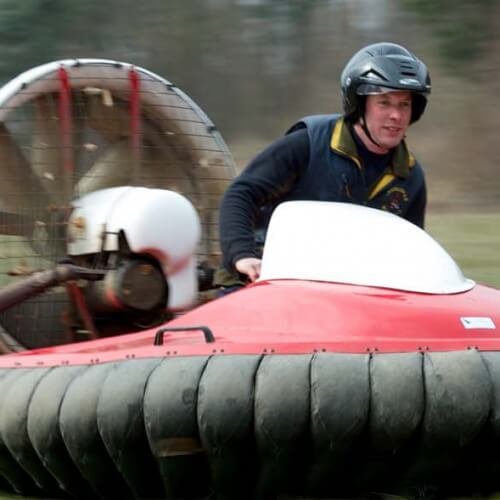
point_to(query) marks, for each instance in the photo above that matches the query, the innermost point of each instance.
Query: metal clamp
(207, 333)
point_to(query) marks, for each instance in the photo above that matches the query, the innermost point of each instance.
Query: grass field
(473, 240)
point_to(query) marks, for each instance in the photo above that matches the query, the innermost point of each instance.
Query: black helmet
(379, 67)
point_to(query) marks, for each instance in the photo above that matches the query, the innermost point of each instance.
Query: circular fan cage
(71, 127)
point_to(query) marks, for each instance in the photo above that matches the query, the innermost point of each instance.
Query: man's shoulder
(414, 163)
(311, 121)
(417, 170)
(416, 173)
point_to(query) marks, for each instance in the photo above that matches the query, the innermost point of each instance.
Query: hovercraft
(362, 363)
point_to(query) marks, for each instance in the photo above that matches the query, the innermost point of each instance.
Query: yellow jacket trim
(342, 142)
(383, 182)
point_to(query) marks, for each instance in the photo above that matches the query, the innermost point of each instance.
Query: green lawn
(473, 240)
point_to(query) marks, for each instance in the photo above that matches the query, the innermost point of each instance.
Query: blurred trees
(255, 66)
(462, 27)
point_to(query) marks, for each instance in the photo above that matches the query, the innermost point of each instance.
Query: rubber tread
(396, 399)
(120, 422)
(492, 362)
(452, 417)
(397, 405)
(13, 473)
(225, 421)
(14, 428)
(78, 424)
(251, 426)
(45, 433)
(458, 398)
(170, 417)
(282, 419)
(340, 398)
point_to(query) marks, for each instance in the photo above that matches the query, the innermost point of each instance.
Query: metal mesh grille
(102, 133)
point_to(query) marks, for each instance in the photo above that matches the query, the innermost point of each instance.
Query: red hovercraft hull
(299, 317)
(308, 389)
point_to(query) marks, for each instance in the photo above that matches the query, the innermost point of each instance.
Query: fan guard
(71, 127)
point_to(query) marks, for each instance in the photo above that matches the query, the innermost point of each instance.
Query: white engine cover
(156, 222)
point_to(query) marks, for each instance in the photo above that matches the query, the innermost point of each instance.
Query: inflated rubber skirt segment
(254, 426)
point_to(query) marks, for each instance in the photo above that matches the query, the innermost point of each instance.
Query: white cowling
(155, 222)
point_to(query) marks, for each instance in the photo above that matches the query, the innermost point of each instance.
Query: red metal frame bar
(66, 131)
(135, 121)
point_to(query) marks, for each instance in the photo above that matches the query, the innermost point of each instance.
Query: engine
(144, 240)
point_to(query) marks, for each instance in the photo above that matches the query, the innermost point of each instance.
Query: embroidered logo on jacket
(395, 200)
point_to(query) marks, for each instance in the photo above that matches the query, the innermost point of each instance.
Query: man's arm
(268, 177)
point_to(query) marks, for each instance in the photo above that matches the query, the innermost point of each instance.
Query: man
(358, 157)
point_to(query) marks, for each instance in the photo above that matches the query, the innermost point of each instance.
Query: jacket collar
(343, 143)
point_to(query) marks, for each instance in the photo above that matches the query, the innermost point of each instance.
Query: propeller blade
(22, 195)
(106, 115)
(112, 168)
(46, 156)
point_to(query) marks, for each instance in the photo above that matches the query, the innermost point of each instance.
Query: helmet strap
(361, 112)
(364, 126)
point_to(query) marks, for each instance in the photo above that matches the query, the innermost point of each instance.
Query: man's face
(388, 117)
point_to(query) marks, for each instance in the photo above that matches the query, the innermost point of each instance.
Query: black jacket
(319, 159)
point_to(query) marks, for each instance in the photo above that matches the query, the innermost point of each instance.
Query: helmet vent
(407, 69)
(374, 75)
